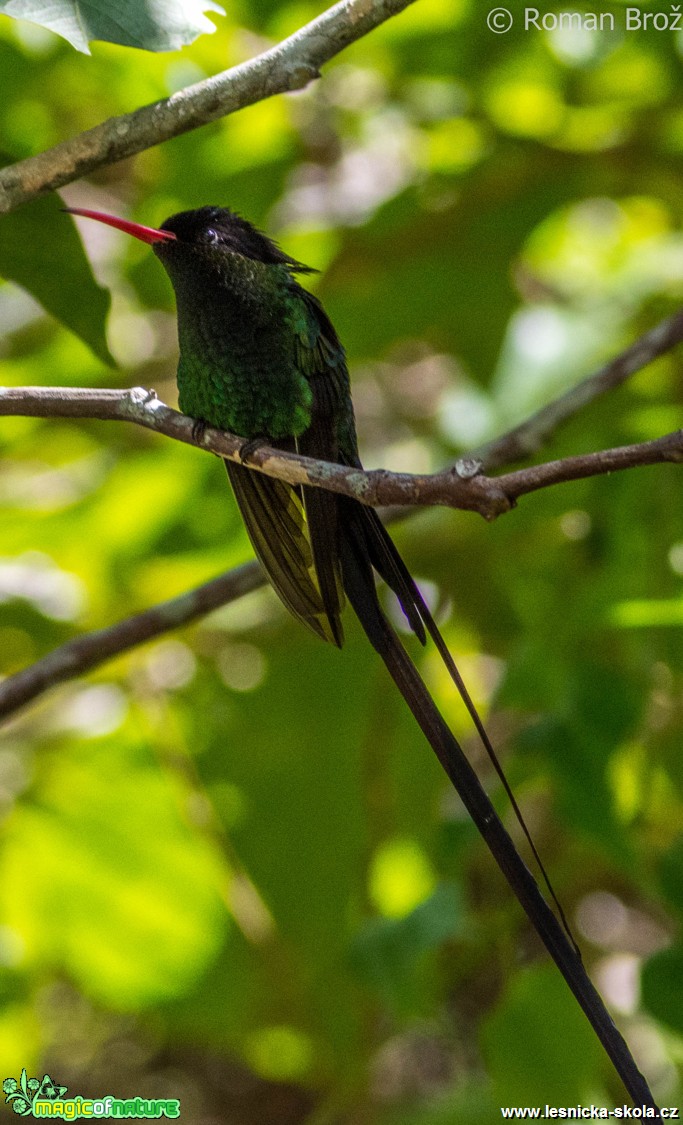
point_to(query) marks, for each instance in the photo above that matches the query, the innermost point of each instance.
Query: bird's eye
(210, 235)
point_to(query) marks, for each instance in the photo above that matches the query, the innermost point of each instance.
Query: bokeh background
(232, 871)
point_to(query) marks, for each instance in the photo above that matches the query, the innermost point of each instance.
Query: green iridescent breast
(239, 367)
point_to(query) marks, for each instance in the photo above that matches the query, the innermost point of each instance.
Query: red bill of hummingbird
(260, 358)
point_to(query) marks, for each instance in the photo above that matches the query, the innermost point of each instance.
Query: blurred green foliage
(231, 871)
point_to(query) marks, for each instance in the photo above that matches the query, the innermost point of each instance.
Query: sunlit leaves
(132, 915)
(164, 25)
(392, 955)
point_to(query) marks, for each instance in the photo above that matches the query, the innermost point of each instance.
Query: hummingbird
(260, 358)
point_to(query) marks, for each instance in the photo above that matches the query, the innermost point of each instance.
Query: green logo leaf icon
(23, 1093)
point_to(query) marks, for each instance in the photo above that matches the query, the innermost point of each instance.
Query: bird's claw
(198, 431)
(248, 448)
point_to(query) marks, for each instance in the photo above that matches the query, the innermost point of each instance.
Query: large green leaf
(158, 25)
(390, 954)
(41, 251)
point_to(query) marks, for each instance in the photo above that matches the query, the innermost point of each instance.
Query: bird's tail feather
(390, 566)
(360, 589)
(388, 563)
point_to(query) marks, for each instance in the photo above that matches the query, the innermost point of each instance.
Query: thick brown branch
(87, 652)
(377, 487)
(290, 65)
(462, 486)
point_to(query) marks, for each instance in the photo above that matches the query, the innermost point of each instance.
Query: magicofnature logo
(45, 1098)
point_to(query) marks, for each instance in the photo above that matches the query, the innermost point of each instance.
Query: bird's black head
(218, 231)
(213, 233)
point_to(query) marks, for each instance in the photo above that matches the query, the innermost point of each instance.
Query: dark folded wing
(274, 517)
(320, 357)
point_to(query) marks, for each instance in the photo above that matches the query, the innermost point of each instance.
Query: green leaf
(389, 953)
(671, 874)
(538, 1045)
(662, 986)
(41, 251)
(160, 25)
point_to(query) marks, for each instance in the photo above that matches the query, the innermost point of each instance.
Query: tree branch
(84, 653)
(290, 65)
(92, 649)
(667, 448)
(89, 651)
(462, 486)
(376, 487)
(532, 434)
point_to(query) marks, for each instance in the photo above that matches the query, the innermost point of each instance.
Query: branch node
(142, 396)
(143, 402)
(300, 76)
(498, 501)
(468, 467)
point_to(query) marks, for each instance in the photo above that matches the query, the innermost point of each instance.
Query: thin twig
(532, 434)
(290, 65)
(524, 481)
(84, 653)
